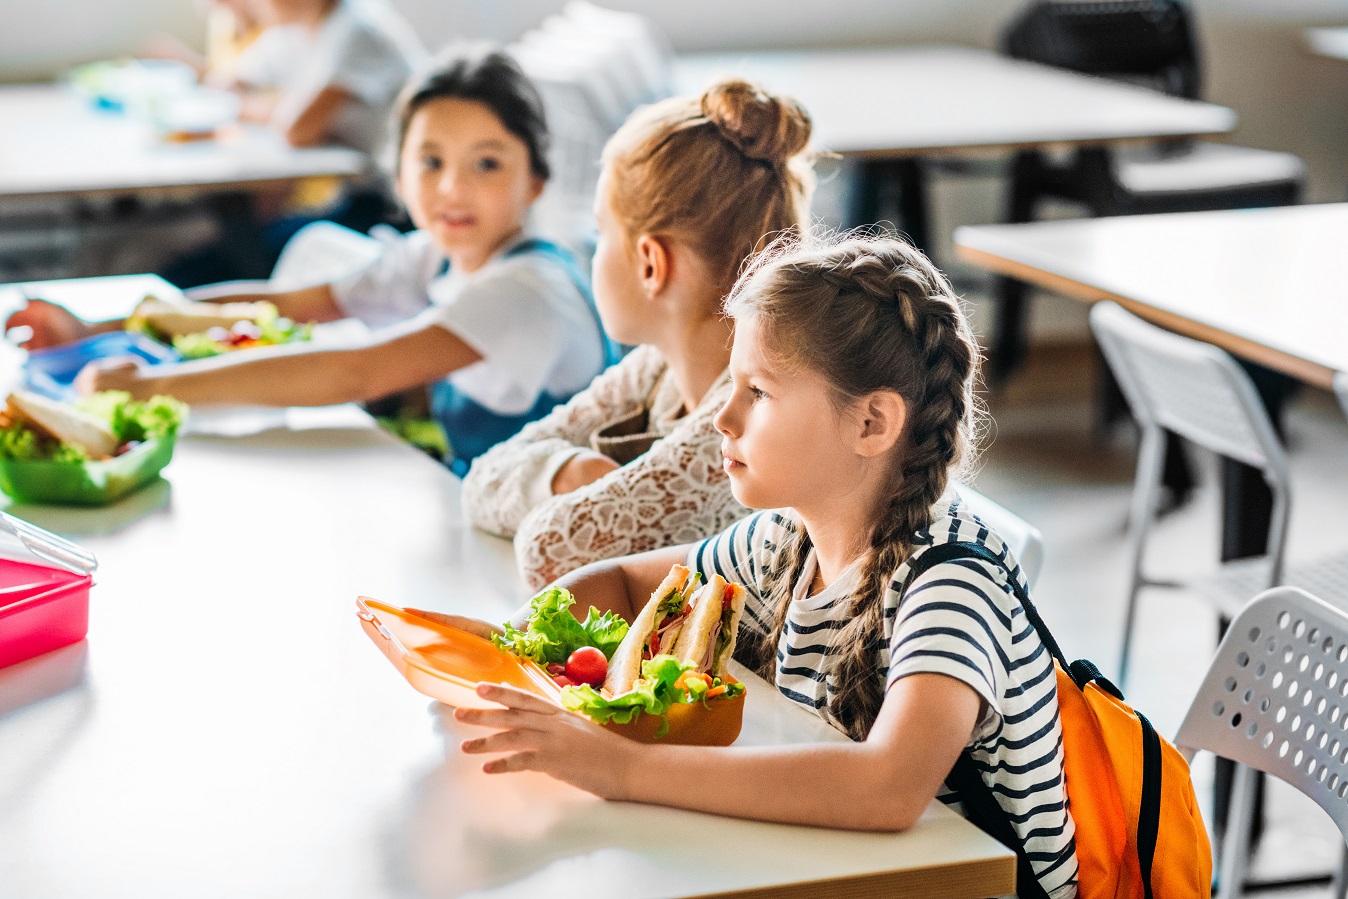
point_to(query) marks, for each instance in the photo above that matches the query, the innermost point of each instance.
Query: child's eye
(431, 163)
(758, 393)
(488, 164)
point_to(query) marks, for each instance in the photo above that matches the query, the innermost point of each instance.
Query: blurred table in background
(67, 166)
(1268, 285)
(892, 108)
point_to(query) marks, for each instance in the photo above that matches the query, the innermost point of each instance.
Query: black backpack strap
(980, 806)
(981, 810)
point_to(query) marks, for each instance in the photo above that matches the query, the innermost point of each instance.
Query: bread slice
(625, 666)
(64, 423)
(695, 642)
(724, 648)
(177, 319)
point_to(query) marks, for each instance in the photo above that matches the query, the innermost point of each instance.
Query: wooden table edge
(1302, 369)
(968, 879)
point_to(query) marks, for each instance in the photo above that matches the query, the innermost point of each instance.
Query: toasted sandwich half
(62, 422)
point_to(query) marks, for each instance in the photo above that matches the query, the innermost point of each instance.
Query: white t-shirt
(523, 313)
(362, 47)
(960, 619)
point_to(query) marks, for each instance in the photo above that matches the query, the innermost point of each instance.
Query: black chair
(1147, 42)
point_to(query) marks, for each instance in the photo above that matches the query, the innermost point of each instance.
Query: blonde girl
(497, 322)
(691, 187)
(853, 368)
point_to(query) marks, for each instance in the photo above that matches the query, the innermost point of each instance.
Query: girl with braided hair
(852, 407)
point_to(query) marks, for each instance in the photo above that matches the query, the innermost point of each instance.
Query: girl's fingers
(504, 741)
(516, 699)
(520, 761)
(501, 718)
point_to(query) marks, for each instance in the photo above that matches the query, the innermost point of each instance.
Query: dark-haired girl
(497, 322)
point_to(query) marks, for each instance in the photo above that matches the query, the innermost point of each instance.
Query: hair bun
(761, 125)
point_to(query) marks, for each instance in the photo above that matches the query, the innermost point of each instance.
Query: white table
(53, 143)
(1267, 284)
(228, 730)
(890, 107)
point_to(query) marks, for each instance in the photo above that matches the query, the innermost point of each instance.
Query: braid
(886, 318)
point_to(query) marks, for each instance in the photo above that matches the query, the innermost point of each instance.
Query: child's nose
(723, 421)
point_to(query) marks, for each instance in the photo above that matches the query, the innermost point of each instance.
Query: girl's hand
(581, 470)
(474, 626)
(118, 373)
(51, 324)
(540, 736)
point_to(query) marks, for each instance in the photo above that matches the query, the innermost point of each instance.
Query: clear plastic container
(447, 664)
(44, 590)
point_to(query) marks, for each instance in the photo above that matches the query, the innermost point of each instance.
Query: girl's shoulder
(953, 521)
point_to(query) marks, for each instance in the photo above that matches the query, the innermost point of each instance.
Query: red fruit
(562, 680)
(587, 665)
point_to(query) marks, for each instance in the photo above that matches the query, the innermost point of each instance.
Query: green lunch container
(94, 483)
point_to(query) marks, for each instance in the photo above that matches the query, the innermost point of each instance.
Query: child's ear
(881, 416)
(536, 187)
(653, 264)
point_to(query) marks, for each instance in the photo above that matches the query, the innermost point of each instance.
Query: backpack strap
(980, 805)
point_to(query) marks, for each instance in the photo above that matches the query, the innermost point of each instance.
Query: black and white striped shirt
(960, 619)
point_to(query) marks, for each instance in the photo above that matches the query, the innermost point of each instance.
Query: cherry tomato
(587, 665)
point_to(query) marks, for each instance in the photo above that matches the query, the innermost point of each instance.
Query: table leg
(892, 186)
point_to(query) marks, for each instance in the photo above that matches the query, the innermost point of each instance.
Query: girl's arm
(513, 478)
(307, 304)
(883, 783)
(295, 374)
(681, 477)
(53, 325)
(314, 122)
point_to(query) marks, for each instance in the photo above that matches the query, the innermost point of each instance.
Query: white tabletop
(919, 100)
(1268, 284)
(54, 143)
(228, 730)
(1331, 42)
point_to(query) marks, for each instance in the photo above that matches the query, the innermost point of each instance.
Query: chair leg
(1234, 858)
(1146, 486)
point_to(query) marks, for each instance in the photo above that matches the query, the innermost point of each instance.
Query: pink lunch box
(44, 591)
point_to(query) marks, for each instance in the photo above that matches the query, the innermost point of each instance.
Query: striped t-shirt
(960, 619)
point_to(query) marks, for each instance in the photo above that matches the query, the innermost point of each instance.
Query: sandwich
(61, 423)
(676, 651)
(707, 640)
(655, 630)
(170, 320)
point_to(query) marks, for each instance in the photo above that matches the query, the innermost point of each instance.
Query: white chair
(1023, 538)
(1275, 699)
(1199, 392)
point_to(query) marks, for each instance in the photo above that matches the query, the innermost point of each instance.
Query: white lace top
(675, 492)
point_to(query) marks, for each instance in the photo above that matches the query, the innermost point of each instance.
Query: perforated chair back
(1024, 539)
(319, 253)
(1131, 39)
(1189, 387)
(1275, 699)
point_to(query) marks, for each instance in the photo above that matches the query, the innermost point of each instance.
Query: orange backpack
(1139, 832)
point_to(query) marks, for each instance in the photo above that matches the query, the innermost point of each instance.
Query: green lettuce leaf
(553, 632)
(128, 419)
(653, 693)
